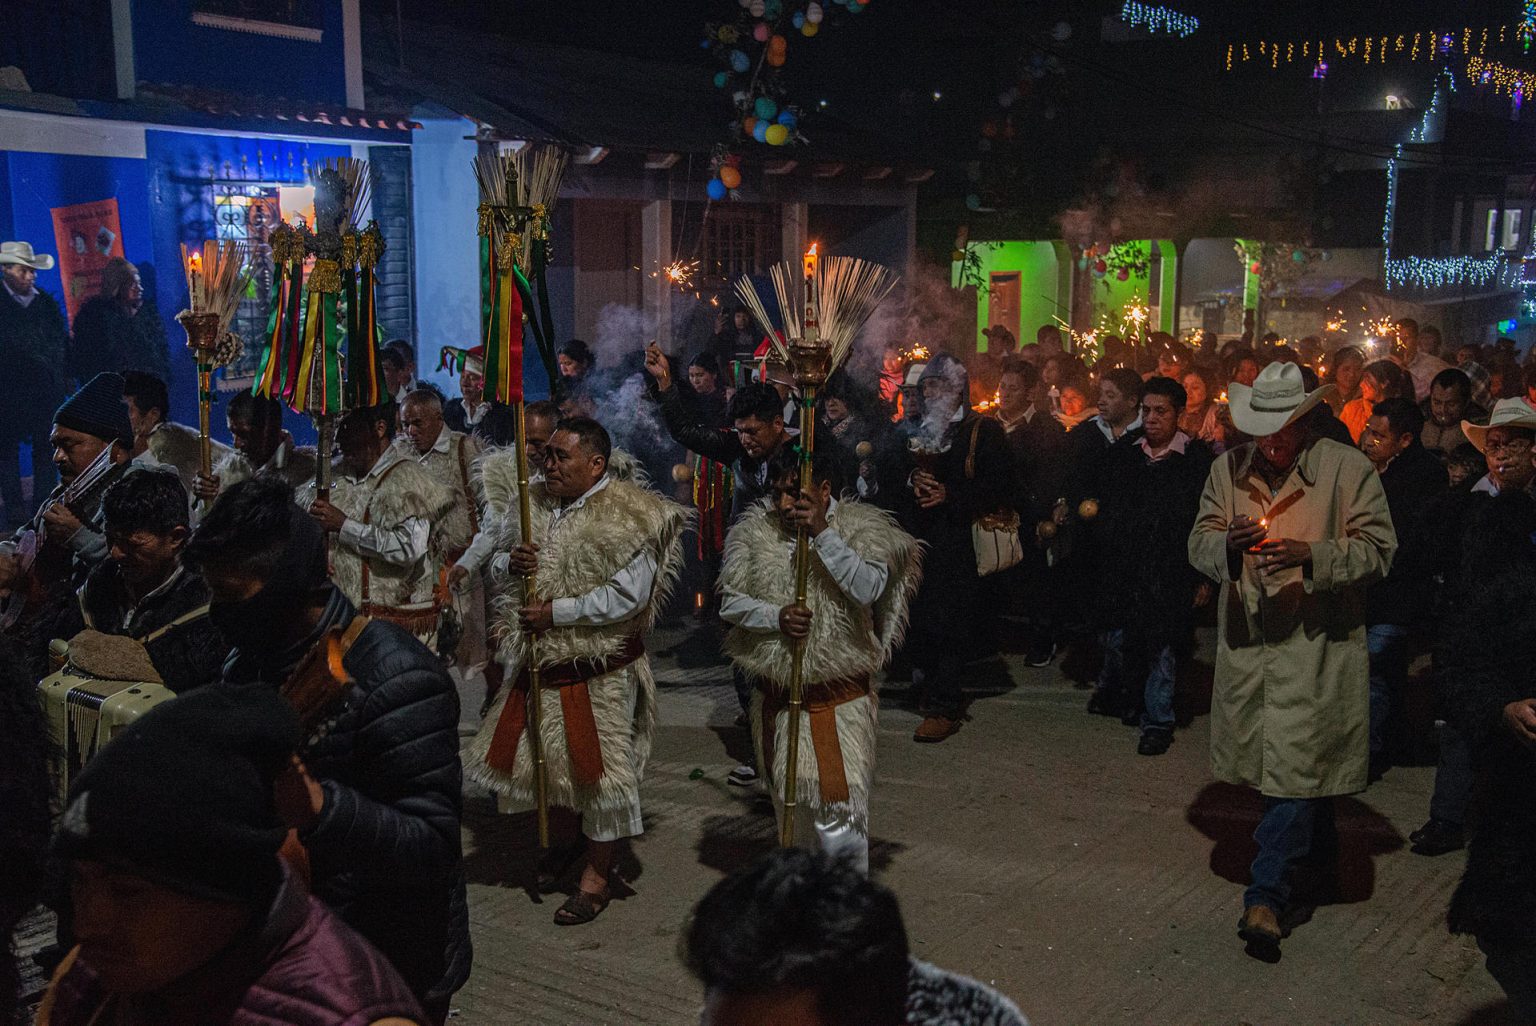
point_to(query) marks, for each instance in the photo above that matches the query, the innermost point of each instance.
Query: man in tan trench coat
(1294, 529)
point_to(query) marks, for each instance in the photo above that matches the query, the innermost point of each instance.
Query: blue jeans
(1158, 691)
(1387, 645)
(1125, 656)
(1293, 830)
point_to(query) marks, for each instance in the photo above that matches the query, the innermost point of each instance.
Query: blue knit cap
(98, 409)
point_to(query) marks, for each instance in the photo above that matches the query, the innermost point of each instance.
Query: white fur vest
(846, 639)
(297, 470)
(454, 471)
(179, 447)
(384, 500)
(495, 474)
(591, 545)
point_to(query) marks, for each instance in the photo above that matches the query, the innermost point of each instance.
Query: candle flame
(195, 262)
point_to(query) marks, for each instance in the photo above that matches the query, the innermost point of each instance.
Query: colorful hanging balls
(810, 28)
(1299, 256)
(1123, 274)
(729, 176)
(721, 78)
(973, 202)
(813, 13)
(716, 189)
(772, 9)
(760, 131)
(765, 108)
(740, 62)
(1082, 263)
(798, 20)
(776, 135)
(787, 119)
(749, 125)
(1100, 267)
(1254, 268)
(778, 43)
(761, 33)
(756, 8)
(775, 58)
(728, 34)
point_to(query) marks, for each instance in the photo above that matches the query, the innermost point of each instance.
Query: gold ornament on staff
(218, 275)
(823, 303)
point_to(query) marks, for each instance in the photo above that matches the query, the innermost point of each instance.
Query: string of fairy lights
(1428, 45)
(1156, 18)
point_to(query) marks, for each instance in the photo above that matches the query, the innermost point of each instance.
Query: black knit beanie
(98, 409)
(183, 796)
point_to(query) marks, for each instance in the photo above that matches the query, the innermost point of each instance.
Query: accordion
(85, 712)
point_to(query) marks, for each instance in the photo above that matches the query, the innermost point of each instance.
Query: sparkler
(988, 405)
(680, 274)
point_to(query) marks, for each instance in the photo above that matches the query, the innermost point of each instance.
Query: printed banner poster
(88, 235)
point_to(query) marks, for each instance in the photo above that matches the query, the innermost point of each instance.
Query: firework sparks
(988, 405)
(916, 354)
(679, 274)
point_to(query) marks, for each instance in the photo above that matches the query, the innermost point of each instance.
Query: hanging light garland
(1434, 272)
(1397, 46)
(1527, 24)
(1160, 19)
(1503, 78)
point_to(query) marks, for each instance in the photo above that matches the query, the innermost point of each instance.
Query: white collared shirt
(402, 544)
(862, 580)
(474, 415)
(1180, 440)
(1109, 432)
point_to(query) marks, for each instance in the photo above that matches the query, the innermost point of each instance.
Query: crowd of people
(281, 836)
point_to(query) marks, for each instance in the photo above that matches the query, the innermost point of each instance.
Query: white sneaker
(742, 776)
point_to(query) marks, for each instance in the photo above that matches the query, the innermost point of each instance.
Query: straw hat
(1278, 397)
(21, 253)
(1506, 413)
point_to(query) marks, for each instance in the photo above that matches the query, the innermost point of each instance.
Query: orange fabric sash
(820, 701)
(581, 739)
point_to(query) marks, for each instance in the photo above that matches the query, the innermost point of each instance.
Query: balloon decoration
(750, 53)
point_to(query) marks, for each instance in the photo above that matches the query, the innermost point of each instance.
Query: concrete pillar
(656, 254)
(795, 231)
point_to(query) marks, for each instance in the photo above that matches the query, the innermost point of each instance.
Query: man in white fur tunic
(603, 557)
(863, 572)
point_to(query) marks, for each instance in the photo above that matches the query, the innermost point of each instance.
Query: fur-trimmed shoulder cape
(463, 517)
(845, 639)
(179, 447)
(406, 490)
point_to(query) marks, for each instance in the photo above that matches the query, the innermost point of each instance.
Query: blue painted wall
(169, 48)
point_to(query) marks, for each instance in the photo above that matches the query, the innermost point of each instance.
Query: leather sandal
(582, 907)
(556, 864)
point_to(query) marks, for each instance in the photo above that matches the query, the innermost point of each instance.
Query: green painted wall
(1045, 285)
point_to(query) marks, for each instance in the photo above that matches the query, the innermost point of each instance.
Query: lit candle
(810, 326)
(195, 282)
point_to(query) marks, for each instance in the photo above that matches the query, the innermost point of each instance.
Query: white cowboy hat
(21, 253)
(1506, 413)
(1278, 397)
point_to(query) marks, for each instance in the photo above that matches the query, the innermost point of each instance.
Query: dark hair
(826, 466)
(1124, 379)
(1391, 377)
(248, 525)
(577, 350)
(545, 408)
(758, 399)
(1467, 455)
(804, 921)
(147, 391)
(261, 412)
(1403, 416)
(1408, 322)
(592, 434)
(146, 499)
(386, 412)
(388, 356)
(400, 350)
(706, 362)
(1023, 368)
(1451, 377)
(1174, 391)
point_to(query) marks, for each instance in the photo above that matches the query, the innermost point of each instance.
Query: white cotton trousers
(834, 830)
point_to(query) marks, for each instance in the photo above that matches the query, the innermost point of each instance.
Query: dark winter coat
(946, 598)
(300, 965)
(188, 655)
(25, 789)
(1487, 659)
(1038, 447)
(1414, 481)
(386, 853)
(107, 338)
(34, 346)
(1140, 538)
(719, 444)
(497, 428)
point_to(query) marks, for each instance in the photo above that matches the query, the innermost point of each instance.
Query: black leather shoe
(1154, 742)
(1040, 654)
(1103, 703)
(1437, 837)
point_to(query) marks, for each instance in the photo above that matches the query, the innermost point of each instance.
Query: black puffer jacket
(386, 853)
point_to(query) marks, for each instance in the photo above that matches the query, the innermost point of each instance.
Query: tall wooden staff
(217, 278)
(822, 304)
(516, 193)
